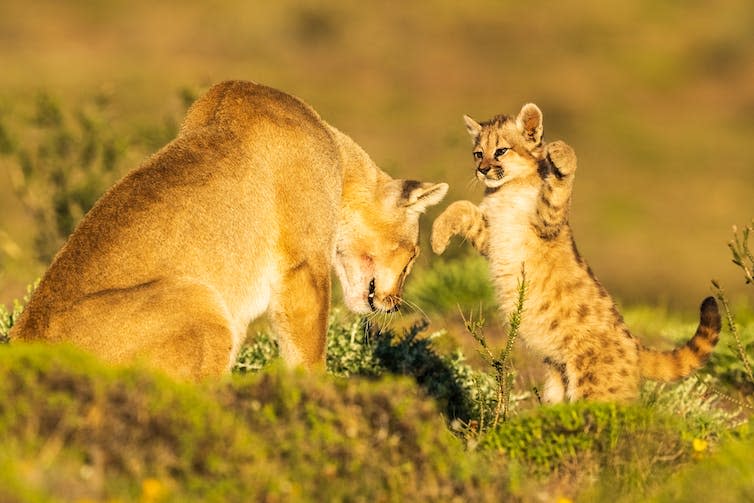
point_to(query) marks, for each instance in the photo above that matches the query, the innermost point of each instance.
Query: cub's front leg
(463, 218)
(558, 168)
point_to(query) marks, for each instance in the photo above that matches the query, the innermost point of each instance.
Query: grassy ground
(655, 98)
(398, 419)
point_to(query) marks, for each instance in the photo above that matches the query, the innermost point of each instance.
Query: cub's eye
(500, 151)
(478, 155)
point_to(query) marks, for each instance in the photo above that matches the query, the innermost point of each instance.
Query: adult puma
(245, 212)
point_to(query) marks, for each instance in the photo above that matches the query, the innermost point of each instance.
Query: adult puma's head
(378, 242)
(506, 148)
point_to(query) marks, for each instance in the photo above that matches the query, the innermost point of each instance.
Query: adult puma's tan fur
(245, 212)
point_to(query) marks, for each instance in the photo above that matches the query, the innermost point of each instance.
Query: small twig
(742, 255)
(475, 328)
(722, 395)
(504, 366)
(720, 294)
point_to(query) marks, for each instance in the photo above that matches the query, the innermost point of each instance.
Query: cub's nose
(483, 169)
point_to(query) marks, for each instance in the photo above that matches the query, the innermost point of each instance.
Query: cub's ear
(529, 122)
(472, 127)
(418, 196)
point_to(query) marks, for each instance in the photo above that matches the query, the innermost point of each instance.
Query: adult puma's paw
(563, 158)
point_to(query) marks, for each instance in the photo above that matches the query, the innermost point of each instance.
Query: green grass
(74, 429)
(726, 477)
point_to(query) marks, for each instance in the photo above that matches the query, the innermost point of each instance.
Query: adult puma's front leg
(299, 308)
(463, 218)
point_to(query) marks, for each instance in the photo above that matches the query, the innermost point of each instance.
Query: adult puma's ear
(472, 127)
(529, 122)
(418, 196)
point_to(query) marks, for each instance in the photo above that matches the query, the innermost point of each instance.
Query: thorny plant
(505, 371)
(743, 258)
(742, 255)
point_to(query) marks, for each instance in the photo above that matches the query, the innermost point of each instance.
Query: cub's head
(378, 240)
(506, 148)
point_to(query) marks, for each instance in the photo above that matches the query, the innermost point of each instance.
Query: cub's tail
(681, 361)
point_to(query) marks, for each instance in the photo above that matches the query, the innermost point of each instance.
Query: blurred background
(657, 98)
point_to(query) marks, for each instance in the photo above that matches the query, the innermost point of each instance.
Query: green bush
(64, 167)
(356, 349)
(726, 477)
(706, 413)
(64, 159)
(726, 363)
(72, 429)
(632, 447)
(8, 317)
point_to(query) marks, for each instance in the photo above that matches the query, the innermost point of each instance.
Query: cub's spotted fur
(569, 317)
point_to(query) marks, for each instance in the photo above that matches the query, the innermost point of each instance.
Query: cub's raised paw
(562, 157)
(441, 233)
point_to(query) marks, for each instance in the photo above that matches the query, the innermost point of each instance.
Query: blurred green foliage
(9, 316)
(69, 159)
(726, 477)
(454, 286)
(65, 170)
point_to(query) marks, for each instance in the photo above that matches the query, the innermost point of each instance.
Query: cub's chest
(511, 236)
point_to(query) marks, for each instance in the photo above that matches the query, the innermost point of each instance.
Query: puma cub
(245, 212)
(569, 318)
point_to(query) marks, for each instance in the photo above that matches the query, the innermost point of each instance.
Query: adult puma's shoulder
(245, 212)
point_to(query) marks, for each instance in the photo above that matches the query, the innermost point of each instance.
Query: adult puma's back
(244, 212)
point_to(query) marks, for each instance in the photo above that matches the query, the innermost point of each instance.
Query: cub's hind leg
(462, 218)
(604, 373)
(556, 382)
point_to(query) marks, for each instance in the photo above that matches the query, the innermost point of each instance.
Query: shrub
(726, 477)
(735, 363)
(706, 413)
(356, 349)
(72, 429)
(630, 446)
(64, 167)
(8, 317)
(66, 158)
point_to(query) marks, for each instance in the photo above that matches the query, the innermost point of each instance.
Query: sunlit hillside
(656, 97)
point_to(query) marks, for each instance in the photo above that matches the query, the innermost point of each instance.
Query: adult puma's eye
(478, 155)
(500, 151)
